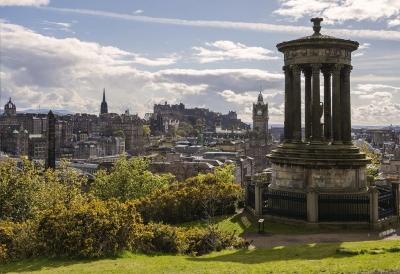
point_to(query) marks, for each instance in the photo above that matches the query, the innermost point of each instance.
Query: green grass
(315, 258)
(245, 223)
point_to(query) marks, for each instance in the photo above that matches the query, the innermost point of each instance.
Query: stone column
(327, 105)
(312, 208)
(296, 87)
(373, 206)
(288, 126)
(316, 112)
(258, 198)
(337, 137)
(345, 104)
(307, 102)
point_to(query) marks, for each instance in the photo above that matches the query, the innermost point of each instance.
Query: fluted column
(327, 105)
(307, 104)
(296, 87)
(288, 125)
(336, 109)
(345, 104)
(316, 112)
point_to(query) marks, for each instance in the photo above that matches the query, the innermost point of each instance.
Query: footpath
(265, 239)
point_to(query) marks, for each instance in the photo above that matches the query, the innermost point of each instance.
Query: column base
(336, 143)
(297, 142)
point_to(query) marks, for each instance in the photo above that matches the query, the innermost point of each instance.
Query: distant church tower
(103, 107)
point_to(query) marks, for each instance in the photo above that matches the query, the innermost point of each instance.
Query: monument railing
(285, 204)
(343, 208)
(251, 199)
(386, 202)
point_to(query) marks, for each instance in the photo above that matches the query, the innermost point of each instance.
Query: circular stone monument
(325, 159)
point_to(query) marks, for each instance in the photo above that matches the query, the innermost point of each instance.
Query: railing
(285, 204)
(343, 208)
(251, 198)
(386, 202)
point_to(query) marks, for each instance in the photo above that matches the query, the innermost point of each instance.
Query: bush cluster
(97, 228)
(200, 197)
(55, 217)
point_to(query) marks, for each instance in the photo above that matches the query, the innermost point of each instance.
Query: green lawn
(319, 258)
(245, 223)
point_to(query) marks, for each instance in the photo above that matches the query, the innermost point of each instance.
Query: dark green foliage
(201, 197)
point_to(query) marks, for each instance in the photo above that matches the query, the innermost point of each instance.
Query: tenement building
(321, 179)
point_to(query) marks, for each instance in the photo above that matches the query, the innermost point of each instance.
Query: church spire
(103, 106)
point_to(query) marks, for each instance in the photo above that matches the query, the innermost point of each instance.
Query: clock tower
(260, 117)
(258, 145)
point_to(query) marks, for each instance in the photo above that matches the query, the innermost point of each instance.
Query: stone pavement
(264, 240)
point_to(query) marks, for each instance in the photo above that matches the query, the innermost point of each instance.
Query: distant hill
(55, 111)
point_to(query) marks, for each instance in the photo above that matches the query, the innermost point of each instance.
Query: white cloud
(70, 74)
(353, 33)
(169, 60)
(338, 11)
(24, 2)
(137, 11)
(394, 22)
(364, 46)
(227, 50)
(230, 96)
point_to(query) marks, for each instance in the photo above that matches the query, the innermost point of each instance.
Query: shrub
(91, 229)
(17, 241)
(201, 197)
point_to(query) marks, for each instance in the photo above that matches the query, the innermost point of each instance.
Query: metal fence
(285, 204)
(386, 202)
(343, 208)
(251, 198)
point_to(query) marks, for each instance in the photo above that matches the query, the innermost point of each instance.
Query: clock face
(259, 112)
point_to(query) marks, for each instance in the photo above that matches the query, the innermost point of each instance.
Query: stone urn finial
(317, 25)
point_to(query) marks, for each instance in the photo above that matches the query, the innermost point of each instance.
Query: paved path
(261, 240)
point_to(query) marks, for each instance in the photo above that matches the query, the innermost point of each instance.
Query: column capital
(295, 68)
(316, 67)
(307, 72)
(337, 68)
(348, 68)
(327, 72)
(286, 69)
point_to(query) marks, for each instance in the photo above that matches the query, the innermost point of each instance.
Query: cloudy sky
(216, 54)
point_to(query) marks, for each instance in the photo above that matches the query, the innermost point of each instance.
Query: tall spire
(260, 98)
(103, 106)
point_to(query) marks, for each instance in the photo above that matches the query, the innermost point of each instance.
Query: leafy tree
(119, 133)
(376, 159)
(225, 173)
(129, 180)
(26, 194)
(146, 131)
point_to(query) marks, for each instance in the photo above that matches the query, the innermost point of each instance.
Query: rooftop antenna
(260, 89)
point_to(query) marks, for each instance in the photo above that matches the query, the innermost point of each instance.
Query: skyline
(61, 54)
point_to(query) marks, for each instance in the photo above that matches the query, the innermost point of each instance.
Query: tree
(225, 173)
(119, 133)
(146, 131)
(374, 167)
(129, 180)
(25, 194)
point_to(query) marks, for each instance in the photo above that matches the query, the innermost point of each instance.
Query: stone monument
(323, 176)
(50, 141)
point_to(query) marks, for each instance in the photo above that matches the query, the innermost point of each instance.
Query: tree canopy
(129, 180)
